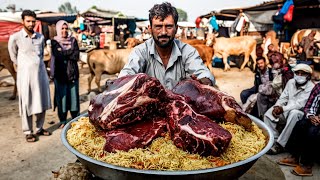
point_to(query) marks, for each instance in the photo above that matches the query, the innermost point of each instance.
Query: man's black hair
(162, 11)
(28, 13)
(259, 58)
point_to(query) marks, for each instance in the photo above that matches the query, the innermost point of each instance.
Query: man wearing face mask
(164, 57)
(289, 107)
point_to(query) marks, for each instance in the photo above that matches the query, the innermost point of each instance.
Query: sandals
(31, 138)
(43, 132)
(302, 171)
(288, 161)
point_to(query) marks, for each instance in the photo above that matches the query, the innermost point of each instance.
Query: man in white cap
(289, 107)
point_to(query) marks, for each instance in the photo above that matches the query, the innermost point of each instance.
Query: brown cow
(224, 47)
(105, 61)
(297, 37)
(194, 41)
(132, 42)
(5, 62)
(206, 54)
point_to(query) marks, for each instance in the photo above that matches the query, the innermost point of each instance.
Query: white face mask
(292, 65)
(300, 79)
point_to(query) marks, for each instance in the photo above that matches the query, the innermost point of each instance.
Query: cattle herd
(112, 61)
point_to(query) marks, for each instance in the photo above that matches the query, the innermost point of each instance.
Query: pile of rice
(162, 154)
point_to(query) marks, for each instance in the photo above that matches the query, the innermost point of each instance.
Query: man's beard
(163, 45)
(30, 29)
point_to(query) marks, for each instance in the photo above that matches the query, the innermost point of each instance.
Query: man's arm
(313, 102)
(13, 49)
(136, 64)
(284, 97)
(194, 66)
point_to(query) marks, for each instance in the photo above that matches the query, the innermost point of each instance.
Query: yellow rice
(162, 154)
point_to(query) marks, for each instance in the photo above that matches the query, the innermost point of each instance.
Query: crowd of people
(286, 98)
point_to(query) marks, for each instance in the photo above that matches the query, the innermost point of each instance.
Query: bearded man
(26, 51)
(164, 57)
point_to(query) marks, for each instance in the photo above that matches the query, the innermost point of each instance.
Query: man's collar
(304, 86)
(25, 34)
(267, 69)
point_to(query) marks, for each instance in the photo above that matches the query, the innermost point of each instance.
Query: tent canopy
(106, 14)
(52, 17)
(305, 14)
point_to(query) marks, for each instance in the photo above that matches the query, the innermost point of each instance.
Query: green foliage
(67, 8)
(183, 16)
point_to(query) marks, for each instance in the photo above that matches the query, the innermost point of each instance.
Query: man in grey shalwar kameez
(26, 51)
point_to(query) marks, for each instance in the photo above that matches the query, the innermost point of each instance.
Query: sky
(137, 8)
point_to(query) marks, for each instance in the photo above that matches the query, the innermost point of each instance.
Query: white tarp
(11, 17)
(260, 20)
(186, 24)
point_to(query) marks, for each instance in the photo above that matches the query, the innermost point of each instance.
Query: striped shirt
(312, 106)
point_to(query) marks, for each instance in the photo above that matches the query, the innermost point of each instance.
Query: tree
(67, 8)
(183, 16)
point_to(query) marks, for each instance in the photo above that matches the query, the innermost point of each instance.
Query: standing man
(289, 107)
(164, 57)
(26, 51)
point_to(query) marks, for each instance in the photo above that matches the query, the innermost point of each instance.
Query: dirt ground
(22, 160)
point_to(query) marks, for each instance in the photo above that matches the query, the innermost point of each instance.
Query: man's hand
(277, 110)
(205, 81)
(315, 120)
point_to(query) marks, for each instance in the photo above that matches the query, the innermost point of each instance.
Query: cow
(132, 42)
(224, 47)
(298, 35)
(5, 62)
(194, 41)
(102, 61)
(206, 54)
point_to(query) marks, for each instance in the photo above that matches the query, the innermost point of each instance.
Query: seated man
(301, 55)
(262, 80)
(304, 143)
(288, 107)
(270, 51)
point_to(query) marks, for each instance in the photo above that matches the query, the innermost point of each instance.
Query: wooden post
(113, 37)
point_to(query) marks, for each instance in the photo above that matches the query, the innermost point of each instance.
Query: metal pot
(111, 172)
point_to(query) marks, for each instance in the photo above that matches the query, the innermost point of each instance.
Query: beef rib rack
(214, 104)
(137, 135)
(126, 100)
(136, 109)
(194, 132)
